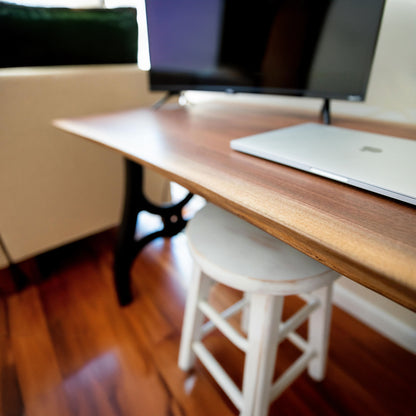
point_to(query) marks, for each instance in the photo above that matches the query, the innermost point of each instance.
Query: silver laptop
(382, 164)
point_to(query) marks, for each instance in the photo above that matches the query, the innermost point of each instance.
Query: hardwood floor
(68, 349)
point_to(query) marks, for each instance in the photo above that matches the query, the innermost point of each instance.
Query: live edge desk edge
(365, 237)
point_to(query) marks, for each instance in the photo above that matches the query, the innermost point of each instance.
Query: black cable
(19, 277)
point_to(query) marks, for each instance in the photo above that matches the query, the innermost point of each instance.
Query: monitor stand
(164, 99)
(326, 112)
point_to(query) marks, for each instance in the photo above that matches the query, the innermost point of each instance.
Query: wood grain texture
(368, 238)
(68, 349)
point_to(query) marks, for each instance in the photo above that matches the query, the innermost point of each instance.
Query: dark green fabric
(42, 36)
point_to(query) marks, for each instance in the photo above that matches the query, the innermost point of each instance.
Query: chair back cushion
(44, 36)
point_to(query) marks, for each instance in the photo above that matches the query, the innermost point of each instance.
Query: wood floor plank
(163, 350)
(38, 372)
(99, 354)
(196, 393)
(67, 348)
(11, 402)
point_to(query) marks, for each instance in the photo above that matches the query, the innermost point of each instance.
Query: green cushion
(42, 36)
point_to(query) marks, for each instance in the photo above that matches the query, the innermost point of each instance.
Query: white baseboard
(386, 317)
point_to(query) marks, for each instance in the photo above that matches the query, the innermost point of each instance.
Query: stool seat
(228, 250)
(240, 255)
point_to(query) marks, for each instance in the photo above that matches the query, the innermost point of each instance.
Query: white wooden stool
(228, 250)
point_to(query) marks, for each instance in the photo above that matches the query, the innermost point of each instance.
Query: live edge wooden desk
(366, 237)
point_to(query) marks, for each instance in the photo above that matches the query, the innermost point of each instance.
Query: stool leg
(318, 332)
(263, 339)
(245, 313)
(193, 317)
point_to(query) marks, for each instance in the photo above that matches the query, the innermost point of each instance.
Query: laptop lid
(382, 164)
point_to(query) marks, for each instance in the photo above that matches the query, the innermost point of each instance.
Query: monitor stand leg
(326, 112)
(164, 99)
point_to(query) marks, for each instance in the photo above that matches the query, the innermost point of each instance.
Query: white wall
(393, 80)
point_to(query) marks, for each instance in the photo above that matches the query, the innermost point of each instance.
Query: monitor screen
(319, 48)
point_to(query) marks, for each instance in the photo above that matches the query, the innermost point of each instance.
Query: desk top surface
(366, 237)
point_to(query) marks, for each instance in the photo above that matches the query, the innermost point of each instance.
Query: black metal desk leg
(127, 247)
(123, 257)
